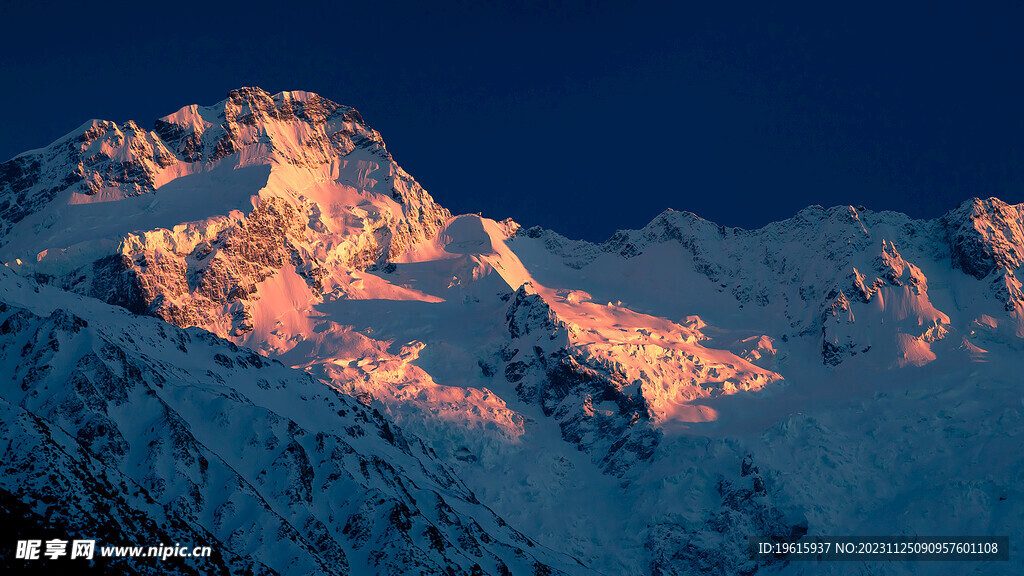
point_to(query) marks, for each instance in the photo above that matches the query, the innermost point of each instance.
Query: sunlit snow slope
(258, 197)
(643, 405)
(130, 431)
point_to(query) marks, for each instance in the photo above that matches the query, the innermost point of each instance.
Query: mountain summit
(183, 221)
(638, 406)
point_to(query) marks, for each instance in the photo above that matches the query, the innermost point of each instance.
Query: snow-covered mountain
(133, 431)
(639, 406)
(184, 221)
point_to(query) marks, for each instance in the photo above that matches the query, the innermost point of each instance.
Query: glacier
(197, 317)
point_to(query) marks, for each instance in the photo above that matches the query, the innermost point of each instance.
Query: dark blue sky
(581, 117)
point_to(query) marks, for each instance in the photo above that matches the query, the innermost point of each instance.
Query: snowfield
(249, 326)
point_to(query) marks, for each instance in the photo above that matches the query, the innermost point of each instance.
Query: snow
(867, 364)
(231, 447)
(176, 217)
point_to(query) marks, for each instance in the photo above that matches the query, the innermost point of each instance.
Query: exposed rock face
(985, 235)
(215, 278)
(134, 431)
(719, 544)
(601, 395)
(99, 155)
(333, 198)
(918, 322)
(547, 371)
(986, 239)
(194, 138)
(824, 270)
(611, 388)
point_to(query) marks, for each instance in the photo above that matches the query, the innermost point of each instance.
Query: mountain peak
(288, 123)
(103, 160)
(986, 235)
(261, 105)
(291, 174)
(656, 398)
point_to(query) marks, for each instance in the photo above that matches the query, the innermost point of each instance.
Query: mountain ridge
(312, 146)
(634, 404)
(130, 404)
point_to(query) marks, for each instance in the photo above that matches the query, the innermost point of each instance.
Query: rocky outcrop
(100, 155)
(567, 386)
(334, 199)
(986, 240)
(179, 436)
(821, 273)
(748, 506)
(985, 236)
